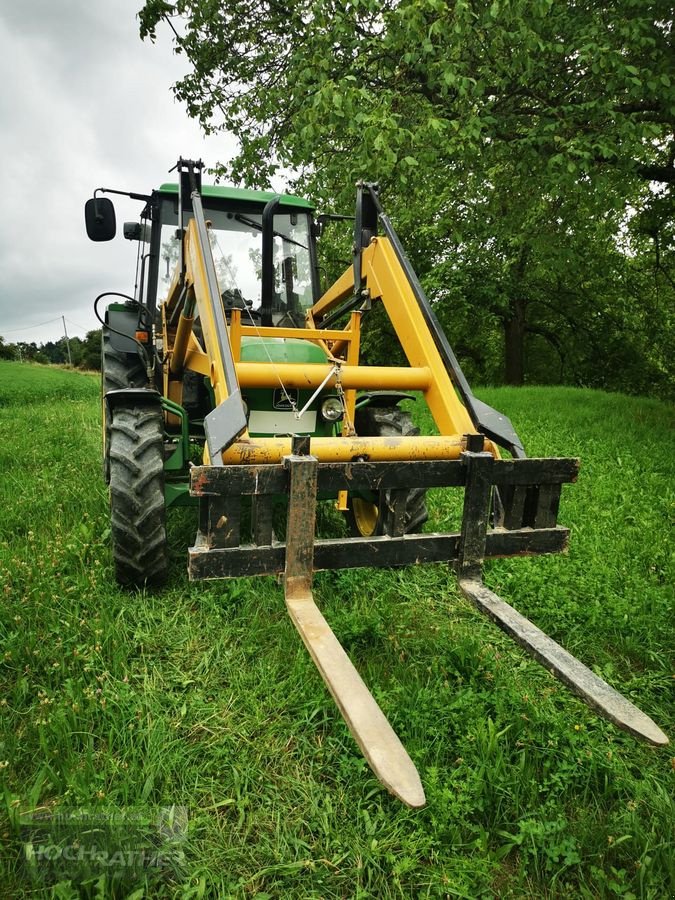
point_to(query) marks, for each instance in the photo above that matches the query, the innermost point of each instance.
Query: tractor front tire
(367, 514)
(137, 507)
(120, 370)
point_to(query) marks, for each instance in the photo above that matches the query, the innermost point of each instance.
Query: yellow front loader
(229, 351)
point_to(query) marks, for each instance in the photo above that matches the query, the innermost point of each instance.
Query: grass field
(117, 704)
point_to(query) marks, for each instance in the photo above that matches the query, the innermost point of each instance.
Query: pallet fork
(302, 476)
(510, 505)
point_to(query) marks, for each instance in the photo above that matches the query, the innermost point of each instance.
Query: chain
(339, 390)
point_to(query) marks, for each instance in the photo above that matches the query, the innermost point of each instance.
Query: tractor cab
(262, 246)
(264, 264)
(234, 220)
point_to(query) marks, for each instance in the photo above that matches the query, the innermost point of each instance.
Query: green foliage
(7, 351)
(203, 695)
(564, 87)
(515, 143)
(84, 353)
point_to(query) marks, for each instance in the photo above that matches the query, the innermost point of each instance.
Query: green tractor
(155, 409)
(231, 382)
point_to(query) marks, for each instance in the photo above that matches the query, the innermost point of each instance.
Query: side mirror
(99, 217)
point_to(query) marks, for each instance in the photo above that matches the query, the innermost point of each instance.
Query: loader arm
(385, 280)
(382, 270)
(197, 285)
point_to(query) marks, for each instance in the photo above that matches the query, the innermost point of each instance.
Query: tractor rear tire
(367, 515)
(137, 506)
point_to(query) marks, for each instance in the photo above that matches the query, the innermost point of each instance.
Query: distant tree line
(85, 353)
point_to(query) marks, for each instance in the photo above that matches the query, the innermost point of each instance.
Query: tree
(55, 351)
(527, 118)
(577, 85)
(30, 352)
(91, 351)
(7, 351)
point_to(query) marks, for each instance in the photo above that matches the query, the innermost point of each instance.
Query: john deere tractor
(233, 384)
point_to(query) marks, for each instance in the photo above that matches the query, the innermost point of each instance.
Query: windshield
(236, 244)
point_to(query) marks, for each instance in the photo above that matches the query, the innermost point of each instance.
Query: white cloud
(85, 104)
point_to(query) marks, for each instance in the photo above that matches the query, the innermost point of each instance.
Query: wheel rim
(365, 516)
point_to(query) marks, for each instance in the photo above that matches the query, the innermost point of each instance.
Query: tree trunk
(514, 325)
(514, 344)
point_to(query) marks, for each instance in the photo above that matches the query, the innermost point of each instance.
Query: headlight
(331, 409)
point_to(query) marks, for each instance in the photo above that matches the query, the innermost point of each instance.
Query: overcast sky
(84, 104)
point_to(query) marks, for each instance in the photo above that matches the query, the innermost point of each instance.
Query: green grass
(202, 695)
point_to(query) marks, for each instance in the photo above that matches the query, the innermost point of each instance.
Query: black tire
(119, 369)
(367, 515)
(137, 507)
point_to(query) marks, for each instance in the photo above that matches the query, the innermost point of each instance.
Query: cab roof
(221, 192)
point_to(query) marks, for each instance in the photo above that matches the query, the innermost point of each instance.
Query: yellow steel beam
(263, 451)
(341, 290)
(386, 278)
(174, 292)
(197, 277)
(294, 375)
(180, 344)
(352, 361)
(235, 334)
(308, 334)
(350, 394)
(196, 359)
(309, 325)
(387, 281)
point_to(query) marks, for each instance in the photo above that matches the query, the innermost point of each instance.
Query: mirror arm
(146, 197)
